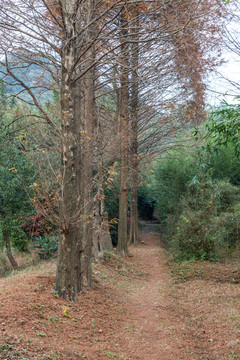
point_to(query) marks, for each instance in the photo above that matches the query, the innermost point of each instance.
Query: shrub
(3, 264)
(172, 176)
(225, 165)
(19, 238)
(46, 245)
(208, 219)
(229, 228)
(195, 234)
(199, 205)
(194, 238)
(33, 226)
(227, 196)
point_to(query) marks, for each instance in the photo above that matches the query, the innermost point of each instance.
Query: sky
(218, 86)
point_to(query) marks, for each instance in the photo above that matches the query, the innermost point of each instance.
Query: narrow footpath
(166, 321)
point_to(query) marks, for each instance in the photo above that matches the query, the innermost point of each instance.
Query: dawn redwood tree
(58, 37)
(88, 102)
(122, 246)
(164, 55)
(62, 39)
(194, 48)
(84, 47)
(68, 281)
(134, 105)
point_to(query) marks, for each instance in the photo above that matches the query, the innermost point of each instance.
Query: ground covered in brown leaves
(142, 307)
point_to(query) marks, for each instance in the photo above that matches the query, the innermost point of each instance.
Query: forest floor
(143, 307)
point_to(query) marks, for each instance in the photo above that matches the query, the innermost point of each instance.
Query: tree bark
(134, 229)
(78, 121)
(68, 281)
(78, 110)
(9, 251)
(97, 232)
(88, 144)
(122, 246)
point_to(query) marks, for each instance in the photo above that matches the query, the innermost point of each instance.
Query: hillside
(34, 76)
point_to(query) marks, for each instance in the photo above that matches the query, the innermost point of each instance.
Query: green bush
(208, 219)
(194, 238)
(46, 245)
(198, 198)
(224, 165)
(229, 229)
(19, 239)
(172, 176)
(228, 214)
(3, 264)
(226, 196)
(195, 234)
(16, 177)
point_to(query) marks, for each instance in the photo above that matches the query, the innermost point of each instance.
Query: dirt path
(141, 309)
(157, 333)
(167, 321)
(149, 305)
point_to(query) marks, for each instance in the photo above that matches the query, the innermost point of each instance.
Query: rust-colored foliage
(53, 13)
(195, 29)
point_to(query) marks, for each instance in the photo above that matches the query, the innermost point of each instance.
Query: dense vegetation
(193, 187)
(197, 191)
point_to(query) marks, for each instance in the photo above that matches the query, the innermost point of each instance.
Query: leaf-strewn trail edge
(141, 307)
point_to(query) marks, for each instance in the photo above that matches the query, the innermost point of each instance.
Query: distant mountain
(33, 76)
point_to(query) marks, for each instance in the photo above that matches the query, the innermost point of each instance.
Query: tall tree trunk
(122, 246)
(69, 253)
(78, 121)
(105, 237)
(78, 110)
(101, 236)
(90, 125)
(67, 282)
(9, 251)
(134, 230)
(117, 92)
